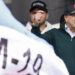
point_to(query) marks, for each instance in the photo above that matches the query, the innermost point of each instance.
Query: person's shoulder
(28, 23)
(56, 25)
(48, 23)
(28, 26)
(52, 30)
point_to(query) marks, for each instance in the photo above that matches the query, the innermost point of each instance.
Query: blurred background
(20, 9)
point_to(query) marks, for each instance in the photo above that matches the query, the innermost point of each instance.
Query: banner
(23, 55)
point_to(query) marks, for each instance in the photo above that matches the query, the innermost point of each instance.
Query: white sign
(22, 55)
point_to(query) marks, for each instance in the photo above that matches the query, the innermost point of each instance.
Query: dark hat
(38, 4)
(70, 10)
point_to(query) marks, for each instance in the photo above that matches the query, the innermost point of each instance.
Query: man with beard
(38, 18)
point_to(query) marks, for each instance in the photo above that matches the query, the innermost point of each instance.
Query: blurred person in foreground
(38, 17)
(22, 55)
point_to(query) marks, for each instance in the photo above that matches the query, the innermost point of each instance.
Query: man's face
(70, 21)
(38, 16)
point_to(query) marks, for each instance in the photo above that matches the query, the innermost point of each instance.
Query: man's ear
(66, 18)
(47, 16)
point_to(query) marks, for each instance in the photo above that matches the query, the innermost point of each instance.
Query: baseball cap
(40, 5)
(70, 10)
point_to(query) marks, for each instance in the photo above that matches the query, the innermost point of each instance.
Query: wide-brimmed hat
(40, 5)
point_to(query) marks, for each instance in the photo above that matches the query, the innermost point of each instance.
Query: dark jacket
(64, 46)
(36, 30)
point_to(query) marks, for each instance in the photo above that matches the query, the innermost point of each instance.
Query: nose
(38, 16)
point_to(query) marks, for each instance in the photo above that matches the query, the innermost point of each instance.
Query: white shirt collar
(67, 29)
